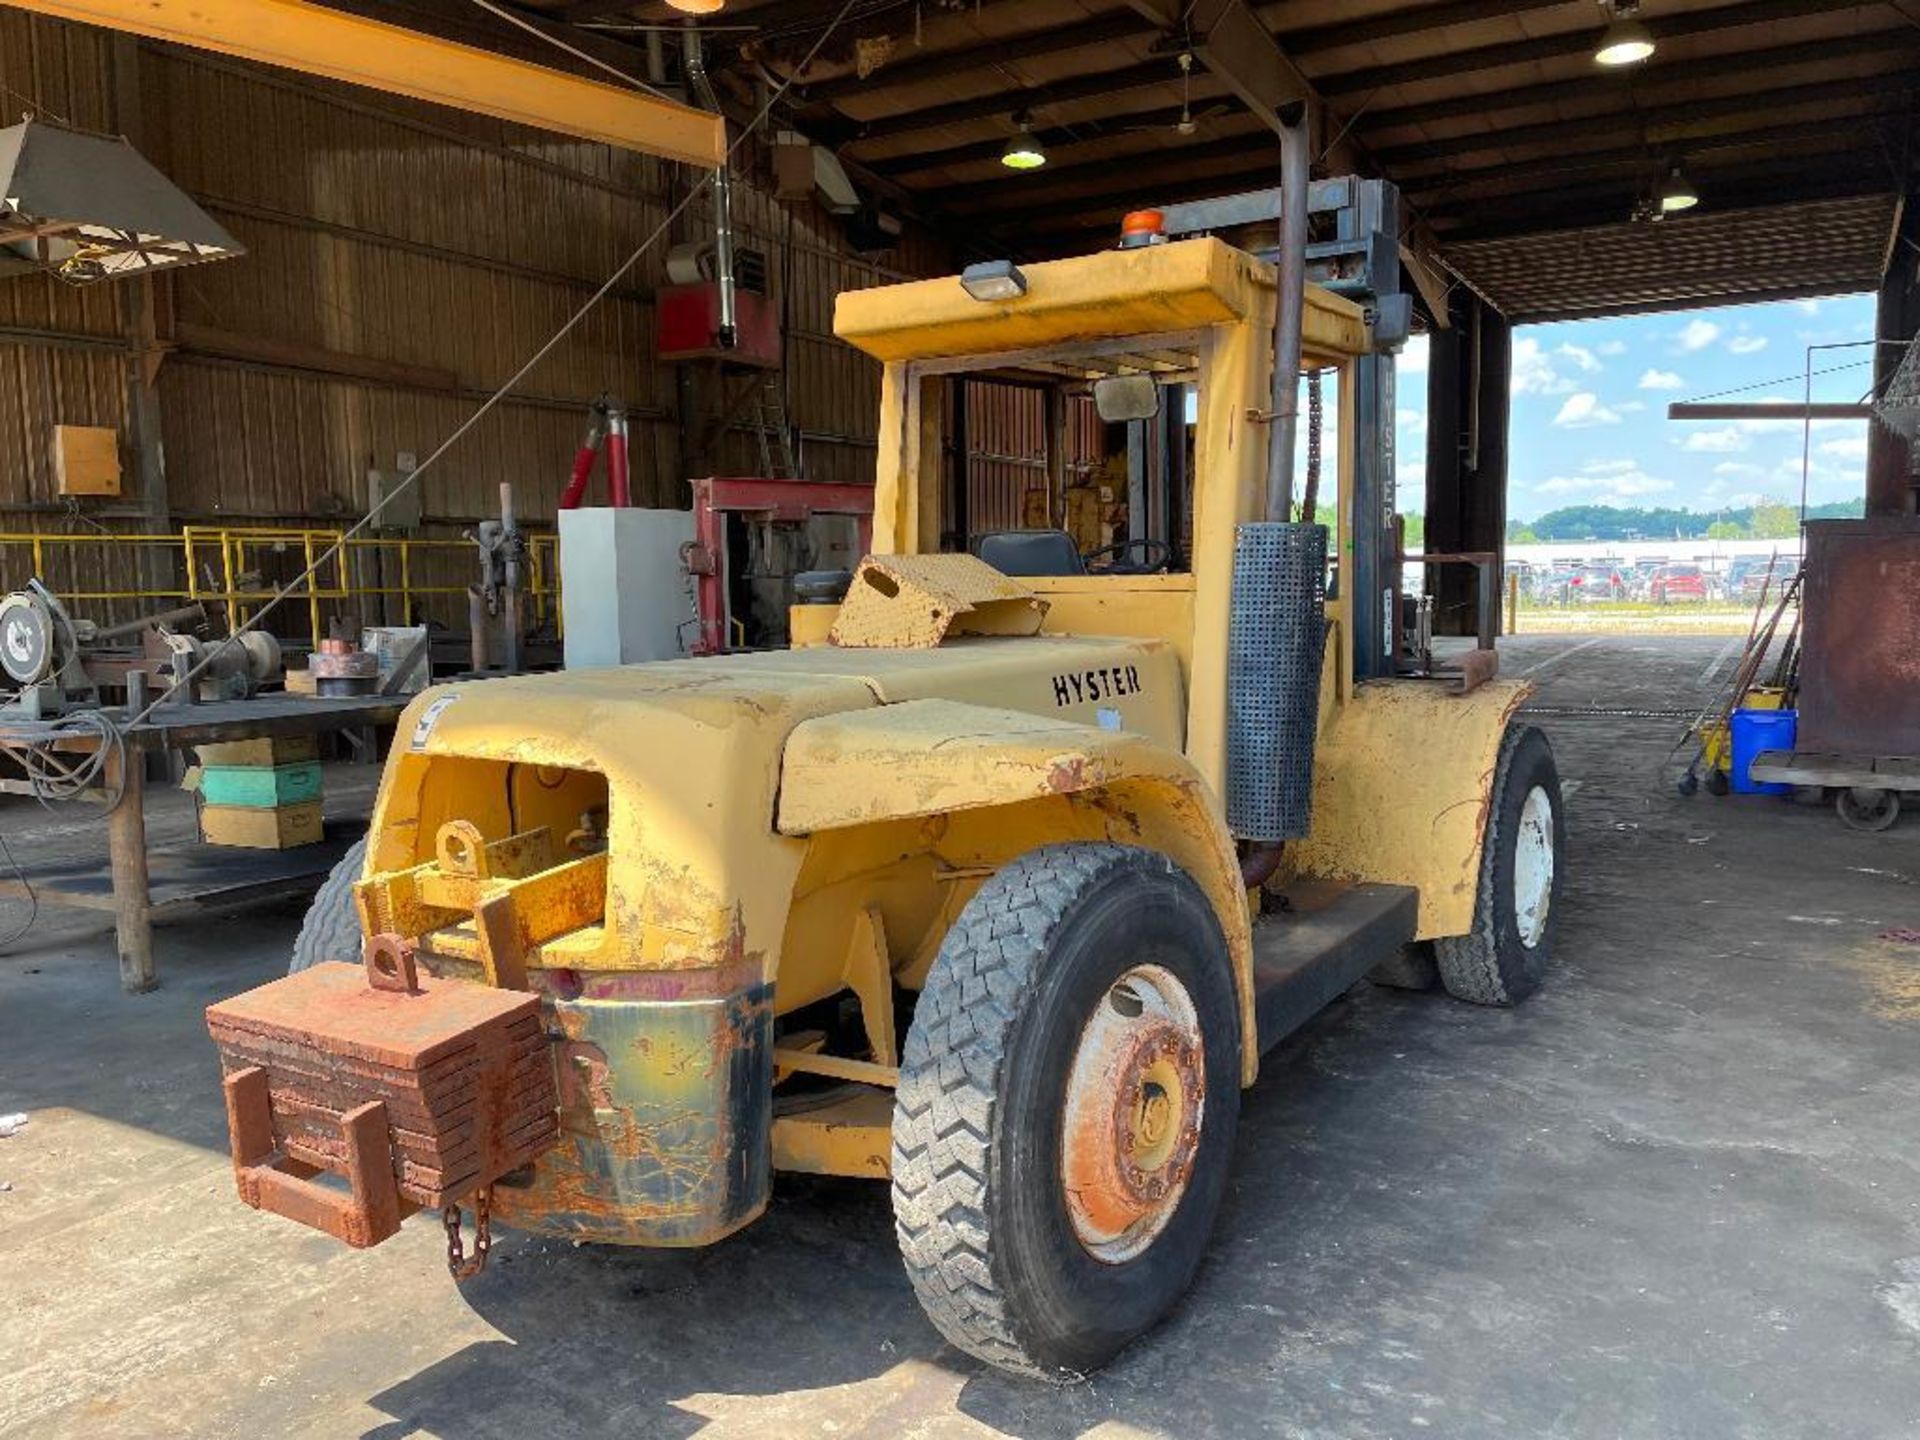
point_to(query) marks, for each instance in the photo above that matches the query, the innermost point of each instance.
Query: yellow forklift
(995, 886)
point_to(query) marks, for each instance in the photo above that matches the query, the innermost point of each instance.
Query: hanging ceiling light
(1023, 151)
(1626, 41)
(697, 7)
(1677, 192)
(88, 207)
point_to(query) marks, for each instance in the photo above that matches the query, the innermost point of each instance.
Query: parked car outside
(1746, 576)
(1640, 578)
(1678, 582)
(1596, 582)
(1550, 584)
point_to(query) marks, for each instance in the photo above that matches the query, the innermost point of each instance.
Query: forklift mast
(1357, 256)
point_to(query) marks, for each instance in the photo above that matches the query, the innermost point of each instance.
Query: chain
(1311, 501)
(1315, 413)
(458, 1265)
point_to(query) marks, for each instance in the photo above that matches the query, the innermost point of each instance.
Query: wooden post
(127, 852)
(1893, 488)
(1055, 422)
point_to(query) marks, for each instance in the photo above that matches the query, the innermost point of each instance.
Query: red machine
(783, 501)
(608, 431)
(688, 325)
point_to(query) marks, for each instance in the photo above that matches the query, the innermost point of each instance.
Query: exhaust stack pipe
(1290, 303)
(702, 89)
(1276, 627)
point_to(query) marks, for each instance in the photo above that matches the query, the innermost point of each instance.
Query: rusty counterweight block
(418, 1091)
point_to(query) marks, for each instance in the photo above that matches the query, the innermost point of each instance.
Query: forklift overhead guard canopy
(1156, 289)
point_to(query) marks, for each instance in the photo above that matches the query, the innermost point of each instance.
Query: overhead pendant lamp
(697, 7)
(1677, 192)
(1023, 151)
(1626, 41)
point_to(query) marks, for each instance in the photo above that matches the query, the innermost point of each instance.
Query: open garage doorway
(1621, 520)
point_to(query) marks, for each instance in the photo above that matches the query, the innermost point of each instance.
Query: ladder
(768, 419)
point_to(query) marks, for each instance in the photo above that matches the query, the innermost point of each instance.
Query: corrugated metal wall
(403, 261)
(1007, 452)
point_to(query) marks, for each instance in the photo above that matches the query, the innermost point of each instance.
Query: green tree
(1774, 520)
(1523, 535)
(1726, 530)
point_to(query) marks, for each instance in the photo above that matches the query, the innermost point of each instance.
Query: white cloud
(1738, 467)
(1534, 372)
(1580, 357)
(1661, 380)
(1638, 485)
(1609, 467)
(1747, 344)
(1584, 409)
(1410, 422)
(1807, 307)
(1413, 359)
(1611, 348)
(1716, 442)
(1698, 334)
(1603, 488)
(1630, 407)
(1852, 447)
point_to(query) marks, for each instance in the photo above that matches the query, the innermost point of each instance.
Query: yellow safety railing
(382, 579)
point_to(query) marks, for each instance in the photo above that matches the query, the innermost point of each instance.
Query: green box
(260, 786)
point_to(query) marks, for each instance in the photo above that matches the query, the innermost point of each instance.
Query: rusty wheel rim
(1136, 1098)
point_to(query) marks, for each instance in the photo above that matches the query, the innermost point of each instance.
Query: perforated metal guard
(1276, 637)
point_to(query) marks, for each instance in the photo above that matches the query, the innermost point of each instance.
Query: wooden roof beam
(1637, 126)
(1005, 102)
(1752, 187)
(1572, 92)
(1398, 24)
(1624, 122)
(1578, 42)
(1795, 136)
(1236, 46)
(1079, 35)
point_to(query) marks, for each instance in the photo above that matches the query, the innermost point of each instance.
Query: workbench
(223, 875)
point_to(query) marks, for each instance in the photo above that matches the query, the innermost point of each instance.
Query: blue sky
(1590, 398)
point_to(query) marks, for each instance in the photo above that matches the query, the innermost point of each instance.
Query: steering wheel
(1156, 556)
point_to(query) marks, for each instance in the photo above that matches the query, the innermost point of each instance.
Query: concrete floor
(1677, 1194)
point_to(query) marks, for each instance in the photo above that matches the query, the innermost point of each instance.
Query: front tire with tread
(978, 1200)
(1492, 964)
(331, 929)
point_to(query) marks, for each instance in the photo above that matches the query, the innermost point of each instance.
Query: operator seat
(1031, 552)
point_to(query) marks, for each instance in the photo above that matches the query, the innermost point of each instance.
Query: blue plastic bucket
(1754, 731)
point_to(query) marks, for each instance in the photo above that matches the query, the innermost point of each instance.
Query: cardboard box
(86, 460)
(277, 750)
(279, 828)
